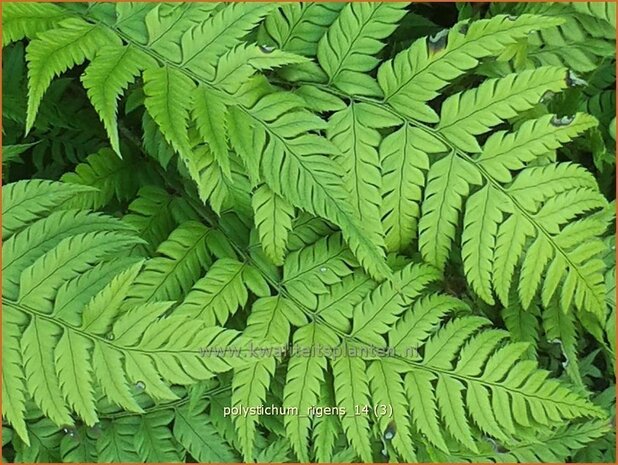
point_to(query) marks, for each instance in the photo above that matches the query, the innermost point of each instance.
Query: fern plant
(398, 244)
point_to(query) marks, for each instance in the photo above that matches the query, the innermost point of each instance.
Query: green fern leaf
(504, 152)
(197, 434)
(271, 317)
(403, 159)
(308, 272)
(239, 64)
(13, 380)
(26, 201)
(151, 214)
(203, 44)
(327, 428)
(299, 156)
(182, 258)
(153, 439)
(116, 441)
(111, 71)
(21, 250)
(113, 177)
(21, 20)
(273, 220)
(417, 74)
(476, 111)
(449, 179)
(162, 27)
(346, 51)
(209, 112)
(354, 132)
(168, 100)
(337, 307)
(75, 375)
(351, 393)
(220, 293)
(298, 27)
(250, 393)
(302, 386)
(40, 376)
(378, 311)
(387, 389)
(484, 211)
(54, 51)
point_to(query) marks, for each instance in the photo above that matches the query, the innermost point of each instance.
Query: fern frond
(484, 211)
(116, 441)
(239, 64)
(273, 220)
(337, 307)
(298, 27)
(379, 311)
(65, 329)
(417, 74)
(555, 445)
(21, 20)
(298, 155)
(109, 74)
(476, 111)
(26, 201)
(307, 159)
(327, 428)
(153, 439)
(203, 44)
(302, 386)
(388, 389)
(13, 380)
(498, 221)
(162, 27)
(168, 277)
(56, 50)
(351, 393)
(250, 393)
(151, 214)
(354, 132)
(346, 51)
(22, 249)
(221, 292)
(193, 429)
(560, 328)
(404, 162)
(448, 182)
(307, 273)
(271, 317)
(111, 176)
(209, 112)
(523, 324)
(168, 100)
(504, 151)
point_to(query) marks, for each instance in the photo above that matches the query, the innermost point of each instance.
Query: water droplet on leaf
(437, 41)
(564, 121)
(573, 80)
(390, 431)
(323, 269)
(547, 96)
(140, 386)
(267, 48)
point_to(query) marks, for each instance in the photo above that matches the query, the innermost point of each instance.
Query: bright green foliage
(405, 242)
